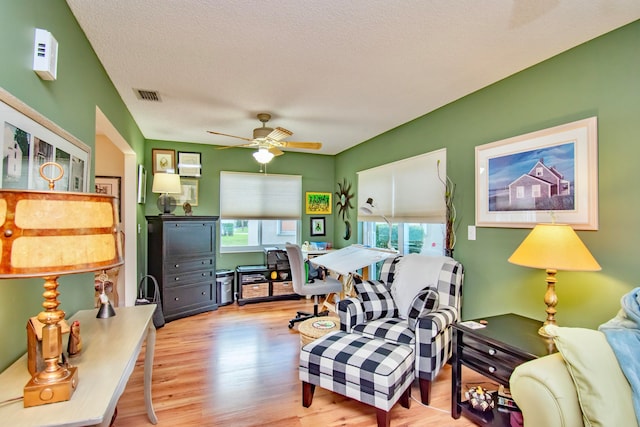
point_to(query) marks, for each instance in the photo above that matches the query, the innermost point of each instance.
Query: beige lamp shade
(554, 246)
(166, 183)
(55, 233)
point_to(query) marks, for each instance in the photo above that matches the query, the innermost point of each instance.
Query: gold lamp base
(38, 393)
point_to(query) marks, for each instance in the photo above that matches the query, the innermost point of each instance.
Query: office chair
(304, 288)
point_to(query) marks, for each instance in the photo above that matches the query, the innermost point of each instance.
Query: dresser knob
(177, 265)
(492, 351)
(177, 279)
(203, 293)
(492, 369)
(177, 299)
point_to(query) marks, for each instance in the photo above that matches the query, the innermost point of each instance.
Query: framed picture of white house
(545, 176)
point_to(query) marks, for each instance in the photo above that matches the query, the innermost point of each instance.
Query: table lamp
(553, 247)
(166, 183)
(369, 209)
(50, 234)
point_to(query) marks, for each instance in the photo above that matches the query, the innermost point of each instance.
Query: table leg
(148, 368)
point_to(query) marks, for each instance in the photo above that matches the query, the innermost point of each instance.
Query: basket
(144, 299)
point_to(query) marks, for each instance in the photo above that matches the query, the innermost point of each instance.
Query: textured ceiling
(334, 71)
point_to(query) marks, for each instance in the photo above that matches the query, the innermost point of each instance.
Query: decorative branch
(449, 193)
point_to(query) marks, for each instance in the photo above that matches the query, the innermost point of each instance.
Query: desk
(347, 260)
(110, 348)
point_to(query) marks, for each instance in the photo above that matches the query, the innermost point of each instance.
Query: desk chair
(304, 288)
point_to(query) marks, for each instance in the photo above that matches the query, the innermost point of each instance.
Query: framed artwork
(189, 192)
(142, 184)
(163, 160)
(28, 140)
(318, 203)
(189, 164)
(317, 226)
(545, 176)
(110, 185)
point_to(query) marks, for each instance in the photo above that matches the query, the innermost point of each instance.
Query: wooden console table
(110, 348)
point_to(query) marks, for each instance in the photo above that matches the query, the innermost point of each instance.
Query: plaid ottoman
(371, 371)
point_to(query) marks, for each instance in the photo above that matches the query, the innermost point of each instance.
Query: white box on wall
(45, 55)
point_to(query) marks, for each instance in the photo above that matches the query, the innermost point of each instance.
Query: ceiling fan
(269, 141)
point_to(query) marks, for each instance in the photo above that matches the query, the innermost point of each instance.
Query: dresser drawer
(190, 265)
(187, 297)
(255, 290)
(185, 278)
(283, 288)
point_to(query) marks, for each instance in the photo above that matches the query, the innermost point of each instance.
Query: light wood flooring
(238, 366)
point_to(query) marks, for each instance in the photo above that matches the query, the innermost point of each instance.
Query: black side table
(494, 351)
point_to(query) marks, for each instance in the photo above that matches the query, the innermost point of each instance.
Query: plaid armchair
(427, 323)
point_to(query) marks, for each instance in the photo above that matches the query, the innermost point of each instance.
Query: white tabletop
(348, 260)
(109, 352)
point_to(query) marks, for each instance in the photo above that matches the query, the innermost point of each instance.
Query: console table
(494, 351)
(110, 348)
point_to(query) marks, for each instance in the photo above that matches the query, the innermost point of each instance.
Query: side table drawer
(491, 352)
(488, 366)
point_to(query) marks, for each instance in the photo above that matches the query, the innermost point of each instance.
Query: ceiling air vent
(147, 95)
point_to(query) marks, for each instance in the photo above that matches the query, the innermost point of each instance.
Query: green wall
(70, 102)
(317, 172)
(599, 78)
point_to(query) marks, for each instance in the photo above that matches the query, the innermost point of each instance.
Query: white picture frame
(28, 140)
(510, 188)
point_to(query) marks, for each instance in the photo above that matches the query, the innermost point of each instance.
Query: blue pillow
(376, 299)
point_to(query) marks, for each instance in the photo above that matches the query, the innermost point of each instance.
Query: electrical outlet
(471, 232)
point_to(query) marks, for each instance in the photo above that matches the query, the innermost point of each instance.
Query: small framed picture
(189, 164)
(318, 203)
(109, 185)
(142, 184)
(189, 192)
(163, 160)
(317, 226)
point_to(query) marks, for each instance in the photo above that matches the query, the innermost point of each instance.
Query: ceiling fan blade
(276, 151)
(224, 147)
(231, 136)
(278, 134)
(305, 145)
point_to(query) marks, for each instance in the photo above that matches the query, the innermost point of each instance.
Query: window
(259, 210)
(539, 172)
(519, 192)
(408, 238)
(410, 194)
(535, 190)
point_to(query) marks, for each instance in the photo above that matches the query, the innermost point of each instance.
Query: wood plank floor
(238, 366)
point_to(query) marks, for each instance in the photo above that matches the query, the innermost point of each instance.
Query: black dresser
(182, 257)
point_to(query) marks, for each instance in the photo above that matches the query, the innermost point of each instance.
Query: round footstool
(316, 327)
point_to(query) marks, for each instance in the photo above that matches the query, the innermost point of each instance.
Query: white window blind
(408, 190)
(260, 196)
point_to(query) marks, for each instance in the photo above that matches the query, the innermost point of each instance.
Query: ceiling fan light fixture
(263, 156)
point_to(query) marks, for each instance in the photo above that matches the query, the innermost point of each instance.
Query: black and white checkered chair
(427, 326)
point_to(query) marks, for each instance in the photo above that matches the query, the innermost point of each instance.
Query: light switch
(471, 232)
